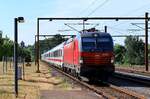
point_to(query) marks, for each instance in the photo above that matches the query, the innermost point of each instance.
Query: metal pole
(10, 61)
(16, 55)
(83, 26)
(105, 29)
(38, 45)
(6, 63)
(35, 58)
(23, 68)
(3, 64)
(146, 41)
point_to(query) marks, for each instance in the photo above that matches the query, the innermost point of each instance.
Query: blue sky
(31, 9)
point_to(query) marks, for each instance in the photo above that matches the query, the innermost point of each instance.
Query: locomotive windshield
(97, 44)
(88, 43)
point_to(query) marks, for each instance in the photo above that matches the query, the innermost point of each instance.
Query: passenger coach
(54, 56)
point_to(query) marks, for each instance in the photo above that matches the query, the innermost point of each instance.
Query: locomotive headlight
(81, 60)
(112, 59)
(95, 35)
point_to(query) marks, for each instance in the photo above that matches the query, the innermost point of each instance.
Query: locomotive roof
(89, 34)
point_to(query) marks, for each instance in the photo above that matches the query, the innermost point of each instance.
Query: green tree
(24, 52)
(120, 52)
(134, 50)
(7, 47)
(49, 43)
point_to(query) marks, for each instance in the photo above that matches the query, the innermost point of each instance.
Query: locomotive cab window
(105, 43)
(88, 43)
(97, 43)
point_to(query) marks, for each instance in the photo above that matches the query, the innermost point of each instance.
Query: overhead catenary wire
(133, 11)
(86, 9)
(90, 5)
(120, 31)
(137, 9)
(99, 6)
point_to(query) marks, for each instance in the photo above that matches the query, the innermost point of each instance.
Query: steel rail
(128, 92)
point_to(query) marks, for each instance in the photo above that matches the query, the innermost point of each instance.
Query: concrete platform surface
(68, 94)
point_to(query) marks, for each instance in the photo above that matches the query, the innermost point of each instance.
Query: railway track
(139, 84)
(120, 93)
(108, 91)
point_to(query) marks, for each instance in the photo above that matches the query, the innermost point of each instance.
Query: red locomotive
(89, 54)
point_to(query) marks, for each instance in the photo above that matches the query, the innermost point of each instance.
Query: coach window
(55, 54)
(58, 53)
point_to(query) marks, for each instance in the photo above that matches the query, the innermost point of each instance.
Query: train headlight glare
(95, 35)
(112, 60)
(81, 61)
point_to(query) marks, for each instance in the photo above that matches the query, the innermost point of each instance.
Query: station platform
(136, 70)
(134, 75)
(141, 78)
(68, 94)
